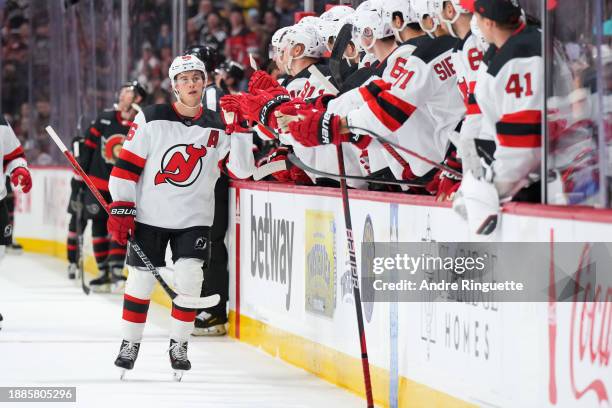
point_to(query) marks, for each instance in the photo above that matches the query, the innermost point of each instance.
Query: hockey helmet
(137, 88)
(368, 22)
(185, 63)
(404, 9)
(307, 35)
(424, 9)
(205, 54)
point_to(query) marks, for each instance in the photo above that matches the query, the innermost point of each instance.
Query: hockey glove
(261, 80)
(121, 221)
(449, 183)
(316, 127)
(21, 177)
(259, 106)
(231, 108)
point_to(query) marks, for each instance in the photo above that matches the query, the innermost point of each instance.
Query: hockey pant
(187, 280)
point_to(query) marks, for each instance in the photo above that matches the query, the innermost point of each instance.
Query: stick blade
(191, 302)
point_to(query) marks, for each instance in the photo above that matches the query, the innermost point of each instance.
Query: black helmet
(205, 54)
(234, 69)
(137, 88)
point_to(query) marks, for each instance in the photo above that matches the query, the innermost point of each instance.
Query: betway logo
(272, 249)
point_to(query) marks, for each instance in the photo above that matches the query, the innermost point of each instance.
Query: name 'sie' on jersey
(169, 165)
(510, 93)
(101, 145)
(423, 106)
(12, 153)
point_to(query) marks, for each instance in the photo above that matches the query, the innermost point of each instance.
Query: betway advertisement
(295, 276)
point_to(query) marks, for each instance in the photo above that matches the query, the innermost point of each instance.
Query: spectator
(204, 9)
(241, 42)
(214, 33)
(164, 38)
(286, 10)
(147, 66)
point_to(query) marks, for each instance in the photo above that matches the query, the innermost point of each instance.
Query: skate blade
(122, 372)
(214, 331)
(72, 277)
(177, 375)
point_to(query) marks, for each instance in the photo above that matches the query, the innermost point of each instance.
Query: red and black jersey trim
(15, 154)
(373, 89)
(520, 129)
(472, 105)
(392, 111)
(129, 166)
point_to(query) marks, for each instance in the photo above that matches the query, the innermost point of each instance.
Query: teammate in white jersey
(15, 167)
(163, 192)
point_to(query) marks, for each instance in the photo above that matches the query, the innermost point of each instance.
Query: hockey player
(212, 93)
(100, 150)
(15, 167)
(75, 209)
(162, 187)
(510, 94)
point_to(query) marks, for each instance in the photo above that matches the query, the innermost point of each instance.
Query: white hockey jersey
(510, 94)
(169, 165)
(423, 107)
(13, 155)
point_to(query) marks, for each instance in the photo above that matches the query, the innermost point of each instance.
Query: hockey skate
(178, 359)
(127, 356)
(209, 325)
(108, 281)
(72, 270)
(0, 321)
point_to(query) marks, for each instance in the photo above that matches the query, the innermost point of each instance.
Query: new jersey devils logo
(181, 165)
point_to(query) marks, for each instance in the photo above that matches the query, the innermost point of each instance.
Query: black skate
(0, 321)
(72, 270)
(127, 356)
(209, 325)
(117, 279)
(102, 284)
(178, 359)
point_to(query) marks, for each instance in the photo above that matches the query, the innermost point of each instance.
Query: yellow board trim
(331, 365)
(336, 367)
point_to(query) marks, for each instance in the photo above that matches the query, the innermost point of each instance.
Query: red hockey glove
(316, 127)
(21, 177)
(121, 221)
(259, 106)
(231, 109)
(262, 80)
(447, 183)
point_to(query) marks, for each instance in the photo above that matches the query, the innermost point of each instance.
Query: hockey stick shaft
(327, 85)
(365, 364)
(80, 230)
(297, 162)
(384, 140)
(184, 301)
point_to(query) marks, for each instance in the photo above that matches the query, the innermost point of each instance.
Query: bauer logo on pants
(181, 165)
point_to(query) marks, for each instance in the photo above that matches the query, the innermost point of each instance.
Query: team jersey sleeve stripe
(18, 152)
(128, 166)
(124, 174)
(91, 144)
(523, 117)
(132, 158)
(520, 129)
(391, 110)
(95, 131)
(100, 184)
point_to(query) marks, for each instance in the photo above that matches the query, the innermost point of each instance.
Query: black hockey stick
(341, 43)
(80, 230)
(189, 302)
(297, 162)
(365, 364)
(384, 140)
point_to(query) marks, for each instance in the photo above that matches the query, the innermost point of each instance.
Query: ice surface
(54, 335)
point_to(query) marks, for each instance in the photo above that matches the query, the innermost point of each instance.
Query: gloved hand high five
(231, 109)
(261, 80)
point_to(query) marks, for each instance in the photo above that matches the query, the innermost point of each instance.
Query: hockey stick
(384, 140)
(189, 302)
(355, 280)
(297, 162)
(269, 169)
(337, 55)
(80, 230)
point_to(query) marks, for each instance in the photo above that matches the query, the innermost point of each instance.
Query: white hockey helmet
(185, 63)
(368, 22)
(332, 21)
(404, 9)
(307, 35)
(481, 41)
(423, 9)
(278, 41)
